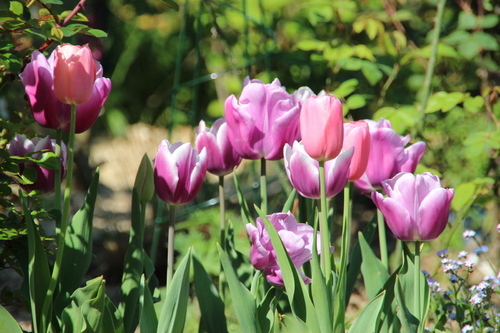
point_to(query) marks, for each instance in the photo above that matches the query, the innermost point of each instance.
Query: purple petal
(337, 172)
(396, 216)
(303, 172)
(411, 157)
(433, 213)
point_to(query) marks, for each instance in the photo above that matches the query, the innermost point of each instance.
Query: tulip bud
(144, 181)
(74, 73)
(357, 135)
(322, 127)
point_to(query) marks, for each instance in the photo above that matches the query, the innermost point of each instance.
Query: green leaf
(469, 48)
(466, 21)
(148, 323)
(485, 41)
(245, 212)
(408, 322)
(38, 273)
(374, 272)
(371, 72)
(456, 37)
(96, 33)
(289, 202)
(78, 248)
(211, 306)
(346, 88)
(144, 181)
(8, 323)
(173, 313)
(488, 21)
(311, 45)
(474, 104)
(172, 4)
(53, 2)
(368, 320)
(464, 193)
(351, 64)
(243, 301)
(16, 7)
(444, 101)
(356, 101)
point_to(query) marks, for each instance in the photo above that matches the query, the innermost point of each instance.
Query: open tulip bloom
(388, 156)
(303, 171)
(39, 82)
(262, 120)
(416, 208)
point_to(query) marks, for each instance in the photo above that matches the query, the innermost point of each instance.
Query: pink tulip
(222, 159)
(74, 73)
(322, 127)
(357, 135)
(296, 237)
(48, 111)
(179, 172)
(417, 207)
(388, 156)
(303, 171)
(20, 146)
(263, 119)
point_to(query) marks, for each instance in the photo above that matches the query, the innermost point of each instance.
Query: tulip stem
(170, 249)
(222, 208)
(47, 303)
(157, 231)
(382, 239)
(417, 283)
(263, 186)
(323, 227)
(57, 184)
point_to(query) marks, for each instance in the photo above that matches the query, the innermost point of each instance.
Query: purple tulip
(303, 171)
(48, 111)
(179, 172)
(417, 207)
(20, 146)
(296, 237)
(388, 156)
(222, 159)
(263, 119)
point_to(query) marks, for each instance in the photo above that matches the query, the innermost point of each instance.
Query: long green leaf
(245, 212)
(8, 323)
(297, 292)
(148, 322)
(243, 300)
(374, 272)
(211, 305)
(39, 274)
(408, 322)
(289, 202)
(78, 248)
(173, 312)
(368, 320)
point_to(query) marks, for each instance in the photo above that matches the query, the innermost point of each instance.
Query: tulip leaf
(148, 323)
(8, 323)
(297, 292)
(173, 312)
(289, 202)
(245, 212)
(408, 321)
(211, 305)
(369, 318)
(243, 301)
(374, 272)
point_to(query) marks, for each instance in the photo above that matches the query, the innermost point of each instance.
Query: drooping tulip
(357, 135)
(388, 156)
(48, 111)
(303, 171)
(262, 120)
(416, 208)
(296, 237)
(179, 172)
(74, 73)
(20, 146)
(221, 156)
(322, 127)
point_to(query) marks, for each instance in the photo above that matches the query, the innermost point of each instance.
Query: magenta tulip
(303, 171)
(179, 172)
(20, 146)
(296, 237)
(222, 159)
(48, 111)
(74, 73)
(263, 119)
(357, 135)
(388, 156)
(417, 207)
(322, 127)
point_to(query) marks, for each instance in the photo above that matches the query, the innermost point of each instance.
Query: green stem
(157, 231)
(64, 220)
(222, 208)
(170, 249)
(426, 88)
(263, 186)
(382, 239)
(57, 183)
(326, 264)
(417, 284)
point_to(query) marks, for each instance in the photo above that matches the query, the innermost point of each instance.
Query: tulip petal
(166, 174)
(337, 172)
(398, 219)
(302, 171)
(402, 189)
(411, 157)
(433, 213)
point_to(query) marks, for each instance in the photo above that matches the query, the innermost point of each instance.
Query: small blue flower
(481, 249)
(443, 253)
(468, 234)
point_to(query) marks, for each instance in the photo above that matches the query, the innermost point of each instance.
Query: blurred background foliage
(174, 63)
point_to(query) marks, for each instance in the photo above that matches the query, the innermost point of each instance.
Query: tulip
(74, 73)
(222, 159)
(322, 127)
(262, 121)
(388, 156)
(303, 93)
(296, 237)
(357, 135)
(179, 172)
(20, 146)
(303, 171)
(417, 207)
(48, 111)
